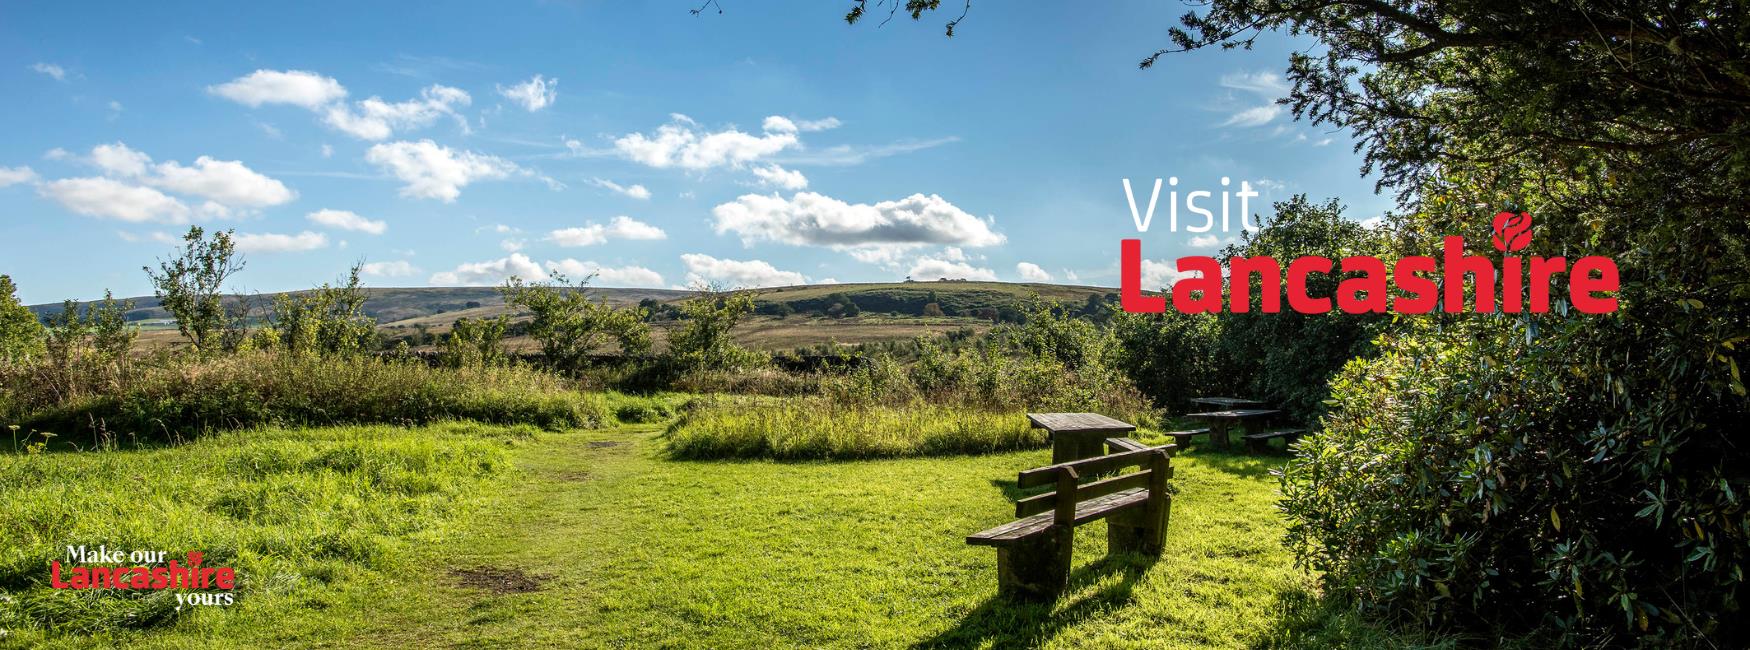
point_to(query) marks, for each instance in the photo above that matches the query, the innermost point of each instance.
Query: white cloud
(1032, 272)
(1161, 275)
(748, 274)
(295, 87)
(375, 119)
(120, 160)
(395, 269)
(533, 95)
(512, 245)
(278, 243)
(621, 227)
(327, 151)
(485, 274)
(775, 176)
(827, 281)
(1263, 82)
(930, 268)
(431, 171)
(227, 182)
(104, 197)
(607, 276)
(634, 191)
(813, 219)
(50, 69)
(780, 124)
(1205, 241)
(16, 175)
(679, 144)
(346, 220)
(1255, 116)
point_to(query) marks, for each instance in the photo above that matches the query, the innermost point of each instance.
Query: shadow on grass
(1305, 620)
(1002, 622)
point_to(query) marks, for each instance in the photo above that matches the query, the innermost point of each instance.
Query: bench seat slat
(1089, 466)
(1086, 511)
(1281, 433)
(1042, 502)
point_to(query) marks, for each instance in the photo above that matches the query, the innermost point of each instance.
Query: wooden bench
(1257, 442)
(1033, 552)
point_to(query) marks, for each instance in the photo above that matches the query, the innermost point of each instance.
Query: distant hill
(788, 317)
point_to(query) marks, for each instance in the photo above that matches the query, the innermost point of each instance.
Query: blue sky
(452, 143)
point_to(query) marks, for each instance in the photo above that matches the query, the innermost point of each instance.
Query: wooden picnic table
(1221, 421)
(1075, 436)
(1226, 402)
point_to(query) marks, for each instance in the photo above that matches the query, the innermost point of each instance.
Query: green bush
(180, 398)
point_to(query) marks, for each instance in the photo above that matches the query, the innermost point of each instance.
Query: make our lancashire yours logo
(1592, 280)
(195, 584)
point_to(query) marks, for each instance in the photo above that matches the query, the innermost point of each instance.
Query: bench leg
(1036, 570)
(1140, 530)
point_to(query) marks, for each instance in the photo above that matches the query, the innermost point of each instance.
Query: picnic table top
(1225, 401)
(1064, 422)
(1233, 414)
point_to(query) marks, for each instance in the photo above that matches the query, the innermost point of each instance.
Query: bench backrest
(1155, 461)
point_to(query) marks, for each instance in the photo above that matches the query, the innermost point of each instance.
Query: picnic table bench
(1034, 551)
(1075, 436)
(1226, 402)
(1220, 422)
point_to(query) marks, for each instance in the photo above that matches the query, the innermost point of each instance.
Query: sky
(449, 144)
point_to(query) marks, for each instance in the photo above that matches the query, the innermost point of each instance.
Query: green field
(600, 539)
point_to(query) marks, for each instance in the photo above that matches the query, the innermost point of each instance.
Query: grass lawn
(633, 550)
(596, 539)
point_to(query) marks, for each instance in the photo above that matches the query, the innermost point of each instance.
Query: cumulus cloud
(1032, 272)
(431, 171)
(295, 87)
(105, 197)
(119, 160)
(16, 175)
(227, 182)
(278, 243)
(488, 273)
(680, 143)
(346, 220)
(814, 219)
(368, 119)
(630, 276)
(533, 95)
(775, 176)
(749, 274)
(395, 269)
(634, 191)
(621, 227)
(50, 69)
(931, 268)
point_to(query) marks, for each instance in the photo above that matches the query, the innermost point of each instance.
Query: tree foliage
(190, 285)
(570, 326)
(21, 334)
(325, 320)
(704, 341)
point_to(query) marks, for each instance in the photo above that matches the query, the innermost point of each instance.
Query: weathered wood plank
(1043, 502)
(1086, 511)
(1078, 422)
(1086, 467)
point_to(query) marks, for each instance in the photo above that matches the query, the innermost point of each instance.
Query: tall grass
(181, 398)
(815, 428)
(294, 512)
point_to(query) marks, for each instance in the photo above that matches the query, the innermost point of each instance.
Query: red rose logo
(1512, 231)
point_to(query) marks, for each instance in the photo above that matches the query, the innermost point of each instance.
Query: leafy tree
(474, 343)
(704, 340)
(21, 334)
(570, 326)
(324, 320)
(190, 285)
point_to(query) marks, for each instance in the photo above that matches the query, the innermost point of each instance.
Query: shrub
(181, 398)
(21, 334)
(570, 326)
